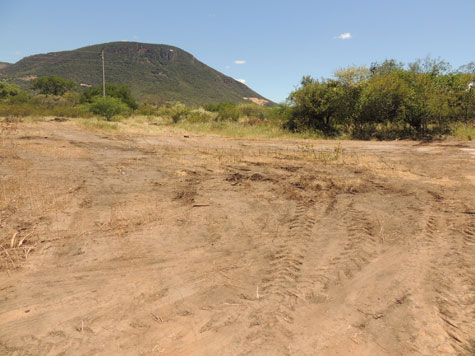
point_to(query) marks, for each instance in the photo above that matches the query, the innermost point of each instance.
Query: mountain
(155, 73)
(4, 65)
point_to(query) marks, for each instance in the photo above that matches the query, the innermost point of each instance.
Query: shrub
(317, 106)
(8, 90)
(108, 107)
(200, 116)
(118, 91)
(178, 112)
(226, 111)
(388, 101)
(253, 111)
(147, 109)
(53, 85)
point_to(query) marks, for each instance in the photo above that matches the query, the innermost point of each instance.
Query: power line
(103, 75)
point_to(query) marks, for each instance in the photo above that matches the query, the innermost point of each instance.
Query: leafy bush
(8, 90)
(317, 106)
(226, 111)
(147, 109)
(200, 116)
(27, 108)
(108, 107)
(280, 113)
(178, 112)
(253, 111)
(69, 99)
(387, 101)
(53, 85)
(118, 91)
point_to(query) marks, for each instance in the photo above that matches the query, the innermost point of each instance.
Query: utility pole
(103, 75)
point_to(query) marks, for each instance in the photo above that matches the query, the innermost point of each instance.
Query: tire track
(454, 282)
(282, 286)
(442, 255)
(359, 248)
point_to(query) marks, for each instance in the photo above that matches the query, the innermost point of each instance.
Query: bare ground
(157, 244)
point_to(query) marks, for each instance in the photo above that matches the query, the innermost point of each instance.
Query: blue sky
(269, 44)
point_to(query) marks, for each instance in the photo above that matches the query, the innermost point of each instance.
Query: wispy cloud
(240, 61)
(243, 81)
(227, 67)
(344, 36)
(18, 53)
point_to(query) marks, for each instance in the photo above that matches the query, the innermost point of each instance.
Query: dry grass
(464, 131)
(27, 195)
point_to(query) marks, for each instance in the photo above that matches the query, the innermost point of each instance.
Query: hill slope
(4, 65)
(155, 73)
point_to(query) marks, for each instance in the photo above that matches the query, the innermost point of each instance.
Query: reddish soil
(158, 244)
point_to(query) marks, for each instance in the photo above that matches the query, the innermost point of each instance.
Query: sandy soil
(160, 244)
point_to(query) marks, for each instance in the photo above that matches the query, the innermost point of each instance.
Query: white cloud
(240, 61)
(18, 53)
(344, 36)
(243, 81)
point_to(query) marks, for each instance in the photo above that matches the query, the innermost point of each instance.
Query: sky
(270, 45)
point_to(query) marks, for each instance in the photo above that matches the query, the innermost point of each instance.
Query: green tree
(420, 99)
(108, 107)
(8, 90)
(318, 105)
(382, 100)
(118, 91)
(53, 85)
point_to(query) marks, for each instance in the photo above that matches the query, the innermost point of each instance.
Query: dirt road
(158, 244)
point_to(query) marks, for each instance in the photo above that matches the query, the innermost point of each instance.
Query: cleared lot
(159, 244)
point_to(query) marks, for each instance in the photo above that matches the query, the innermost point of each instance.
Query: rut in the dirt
(282, 287)
(455, 286)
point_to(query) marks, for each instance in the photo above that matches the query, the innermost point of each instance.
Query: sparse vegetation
(424, 99)
(154, 73)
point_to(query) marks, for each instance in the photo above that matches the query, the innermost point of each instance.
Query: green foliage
(178, 112)
(154, 73)
(119, 91)
(51, 101)
(226, 111)
(279, 114)
(318, 106)
(229, 111)
(28, 108)
(200, 116)
(253, 111)
(383, 99)
(8, 90)
(386, 101)
(147, 109)
(108, 107)
(52, 85)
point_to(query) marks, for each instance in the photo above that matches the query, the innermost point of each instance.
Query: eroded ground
(158, 244)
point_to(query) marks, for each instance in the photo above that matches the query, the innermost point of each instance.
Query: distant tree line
(59, 95)
(389, 98)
